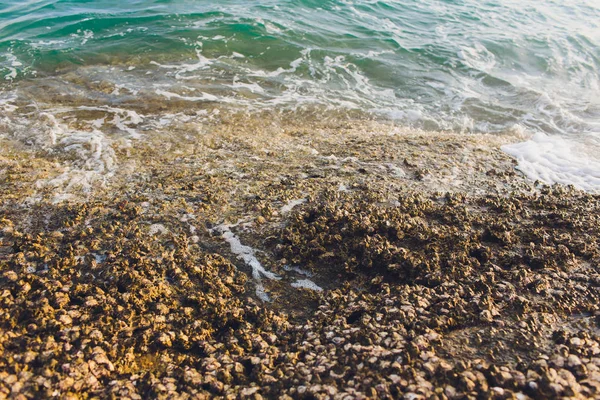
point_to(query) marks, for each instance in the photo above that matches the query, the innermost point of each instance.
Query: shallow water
(76, 76)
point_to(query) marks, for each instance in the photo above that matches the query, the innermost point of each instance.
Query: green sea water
(460, 65)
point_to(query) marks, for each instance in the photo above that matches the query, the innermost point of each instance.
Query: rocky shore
(261, 259)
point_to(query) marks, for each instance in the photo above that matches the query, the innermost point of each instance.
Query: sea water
(76, 76)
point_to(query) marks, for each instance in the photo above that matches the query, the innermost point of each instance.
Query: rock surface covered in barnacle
(489, 294)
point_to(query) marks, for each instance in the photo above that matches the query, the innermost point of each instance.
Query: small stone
(575, 342)
(573, 361)
(429, 367)
(165, 340)
(11, 276)
(450, 391)
(249, 391)
(486, 315)
(255, 360)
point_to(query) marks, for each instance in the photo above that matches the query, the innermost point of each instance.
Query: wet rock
(429, 295)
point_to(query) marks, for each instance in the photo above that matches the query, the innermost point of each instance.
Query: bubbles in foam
(553, 159)
(12, 64)
(85, 158)
(95, 161)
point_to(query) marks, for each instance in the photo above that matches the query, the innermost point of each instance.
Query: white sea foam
(477, 57)
(122, 119)
(12, 74)
(13, 64)
(272, 29)
(253, 87)
(553, 159)
(170, 95)
(181, 70)
(248, 255)
(334, 82)
(291, 204)
(307, 284)
(84, 35)
(91, 159)
(298, 270)
(95, 163)
(47, 43)
(97, 123)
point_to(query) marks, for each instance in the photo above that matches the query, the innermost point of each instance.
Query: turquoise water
(462, 65)
(474, 65)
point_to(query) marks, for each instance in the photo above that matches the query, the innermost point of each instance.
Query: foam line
(247, 254)
(307, 284)
(552, 159)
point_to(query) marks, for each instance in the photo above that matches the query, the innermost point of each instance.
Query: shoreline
(420, 242)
